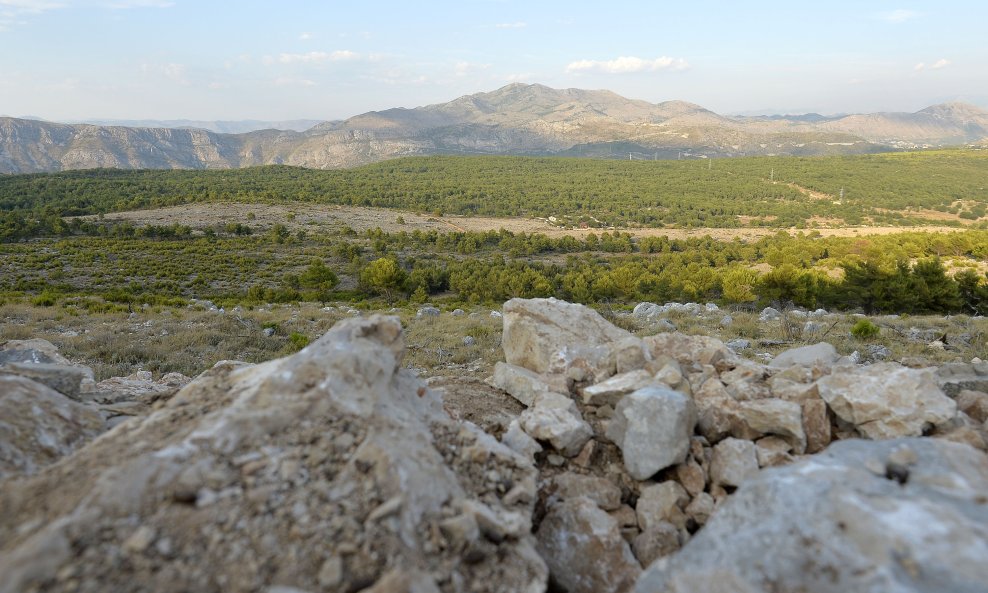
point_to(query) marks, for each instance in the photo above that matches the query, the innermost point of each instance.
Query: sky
(70, 60)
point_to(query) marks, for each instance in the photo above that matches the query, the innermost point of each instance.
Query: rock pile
(677, 423)
(664, 463)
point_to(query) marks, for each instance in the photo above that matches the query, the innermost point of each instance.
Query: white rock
(887, 400)
(652, 427)
(734, 461)
(822, 354)
(555, 418)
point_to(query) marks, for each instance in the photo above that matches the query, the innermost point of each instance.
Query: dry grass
(190, 340)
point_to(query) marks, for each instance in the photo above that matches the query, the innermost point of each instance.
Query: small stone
(331, 572)
(610, 391)
(555, 418)
(691, 476)
(518, 441)
(816, 425)
(662, 502)
(773, 451)
(603, 492)
(700, 508)
(659, 540)
(652, 427)
(734, 461)
(427, 312)
(140, 540)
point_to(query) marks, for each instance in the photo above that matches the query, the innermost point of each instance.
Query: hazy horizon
(78, 60)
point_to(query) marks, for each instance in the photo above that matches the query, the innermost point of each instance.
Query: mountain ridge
(515, 119)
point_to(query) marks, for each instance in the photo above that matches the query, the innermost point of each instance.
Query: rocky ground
(592, 459)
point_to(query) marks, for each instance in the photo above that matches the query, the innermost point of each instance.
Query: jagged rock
(518, 441)
(832, 523)
(773, 451)
(689, 350)
(64, 379)
(603, 492)
(39, 426)
(584, 549)
(692, 476)
(879, 352)
(457, 312)
(652, 427)
(630, 354)
(427, 312)
(671, 374)
(34, 351)
(958, 376)
(822, 354)
(659, 540)
(662, 502)
(816, 425)
(738, 344)
(734, 461)
(769, 314)
(555, 418)
(711, 308)
(520, 383)
(610, 391)
(646, 310)
(727, 321)
(776, 416)
(141, 384)
(552, 336)
(335, 451)
(974, 404)
(886, 400)
(701, 508)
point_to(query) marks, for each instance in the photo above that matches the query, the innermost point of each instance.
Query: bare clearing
(327, 218)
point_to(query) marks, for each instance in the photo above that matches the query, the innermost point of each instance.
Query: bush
(45, 299)
(864, 329)
(297, 341)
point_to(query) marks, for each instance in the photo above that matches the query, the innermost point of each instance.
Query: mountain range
(523, 119)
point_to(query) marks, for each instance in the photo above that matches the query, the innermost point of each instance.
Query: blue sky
(203, 59)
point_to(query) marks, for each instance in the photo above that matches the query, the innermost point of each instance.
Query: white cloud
(900, 15)
(627, 64)
(305, 36)
(516, 25)
(316, 57)
(175, 72)
(938, 65)
(12, 12)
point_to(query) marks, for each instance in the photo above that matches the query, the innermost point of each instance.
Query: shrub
(297, 341)
(864, 329)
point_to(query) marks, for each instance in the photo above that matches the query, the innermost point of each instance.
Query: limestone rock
(520, 383)
(776, 416)
(584, 549)
(34, 351)
(552, 336)
(662, 502)
(689, 350)
(886, 400)
(701, 508)
(658, 541)
(142, 385)
(518, 441)
(734, 461)
(64, 379)
(816, 425)
(773, 451)
(829, 524)
(956, 377)
(610, 391)
(652, 427)
(974, 404)
(603, 492)
(822, 354)
(38, 425)
(692, 476)
(630, 354)
(555, 418)
(256, 476)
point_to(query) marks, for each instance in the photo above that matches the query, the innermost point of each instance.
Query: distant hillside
(219, 126)
(517, 119)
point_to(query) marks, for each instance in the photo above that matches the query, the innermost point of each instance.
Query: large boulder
(553, 336)
(887, 400)
(652, 427)
(328, 470)
(39, 425)
(874, 517)
(64, 379)
(585, 550)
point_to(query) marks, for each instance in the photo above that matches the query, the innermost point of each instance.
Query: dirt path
(324, 218)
